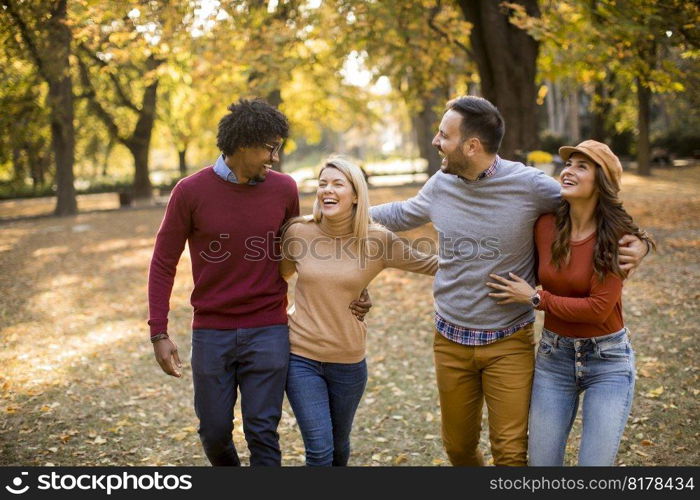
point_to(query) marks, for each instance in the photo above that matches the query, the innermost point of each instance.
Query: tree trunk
(60, 99)
(599, 130)
(181, 154)
(140, 142)
(107, 152)
(506, 57)
(51, 56)
(425, 124)
(550, 103)
(37, 158)
(141, 188)
(63, 141)
(557, 105)
(573, 122)
(604, 93)
(648, 53)
(643, 116)
(274, 99)
(18, 164)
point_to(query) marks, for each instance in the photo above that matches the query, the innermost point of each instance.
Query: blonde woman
(336, 252)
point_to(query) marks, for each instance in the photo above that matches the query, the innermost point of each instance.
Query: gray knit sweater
(484, 227)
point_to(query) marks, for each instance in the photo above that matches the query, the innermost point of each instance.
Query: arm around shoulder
(290, 248)
(403, 254)
(633, 249)
(547, 192)
(293, 200)
(408, 214)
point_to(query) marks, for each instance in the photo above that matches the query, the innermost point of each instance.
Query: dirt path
(79, 386)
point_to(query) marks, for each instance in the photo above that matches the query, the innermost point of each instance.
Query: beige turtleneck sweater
(321, 325)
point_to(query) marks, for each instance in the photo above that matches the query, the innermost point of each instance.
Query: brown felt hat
(602, 155)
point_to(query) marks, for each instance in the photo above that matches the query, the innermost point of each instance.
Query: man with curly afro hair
(250, 138)
(230, 215)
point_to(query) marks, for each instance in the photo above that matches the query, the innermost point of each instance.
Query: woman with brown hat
(585, 346)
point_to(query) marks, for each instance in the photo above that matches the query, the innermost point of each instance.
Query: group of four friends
(503, 227)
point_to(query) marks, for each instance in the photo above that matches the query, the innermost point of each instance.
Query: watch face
(536, 300)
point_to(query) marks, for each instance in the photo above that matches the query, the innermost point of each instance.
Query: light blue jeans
(324, 397)
(565, 368)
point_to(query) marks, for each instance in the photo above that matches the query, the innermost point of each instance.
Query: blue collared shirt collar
(222, 170)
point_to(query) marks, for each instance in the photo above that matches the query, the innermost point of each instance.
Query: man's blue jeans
(324, 397)
(566, 367)
(254, 360)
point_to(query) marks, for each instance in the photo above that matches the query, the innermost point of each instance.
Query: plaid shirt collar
(486, 173)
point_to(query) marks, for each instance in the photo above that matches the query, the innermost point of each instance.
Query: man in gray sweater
(484, 209)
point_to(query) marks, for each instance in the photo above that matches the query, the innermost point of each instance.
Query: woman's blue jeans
(324, 397)
(565, 368)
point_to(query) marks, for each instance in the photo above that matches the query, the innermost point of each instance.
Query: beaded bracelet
(159, 336)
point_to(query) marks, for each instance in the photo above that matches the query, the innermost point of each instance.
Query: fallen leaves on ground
(79, 385)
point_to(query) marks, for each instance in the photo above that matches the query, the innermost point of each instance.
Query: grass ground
(79, 385)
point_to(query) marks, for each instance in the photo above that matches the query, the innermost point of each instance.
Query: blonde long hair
(362, 222)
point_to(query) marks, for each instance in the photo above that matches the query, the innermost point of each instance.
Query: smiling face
(578, 178)
(335, 194)
(448, 142)
(256, 161)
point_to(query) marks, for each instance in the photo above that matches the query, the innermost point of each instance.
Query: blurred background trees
(100, 95)
(39, 32)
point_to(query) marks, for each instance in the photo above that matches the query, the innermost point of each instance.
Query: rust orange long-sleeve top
(576, 303)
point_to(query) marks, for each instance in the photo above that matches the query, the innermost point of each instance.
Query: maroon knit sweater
(232, 231)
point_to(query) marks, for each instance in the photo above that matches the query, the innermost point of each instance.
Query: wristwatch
(535, 300)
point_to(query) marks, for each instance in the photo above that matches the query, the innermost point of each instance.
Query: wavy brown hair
(612, 222)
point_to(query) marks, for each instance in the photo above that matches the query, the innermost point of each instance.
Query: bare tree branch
(99, 110)
(123, 98)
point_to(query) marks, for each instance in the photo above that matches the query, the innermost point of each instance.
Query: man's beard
(456, 162)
